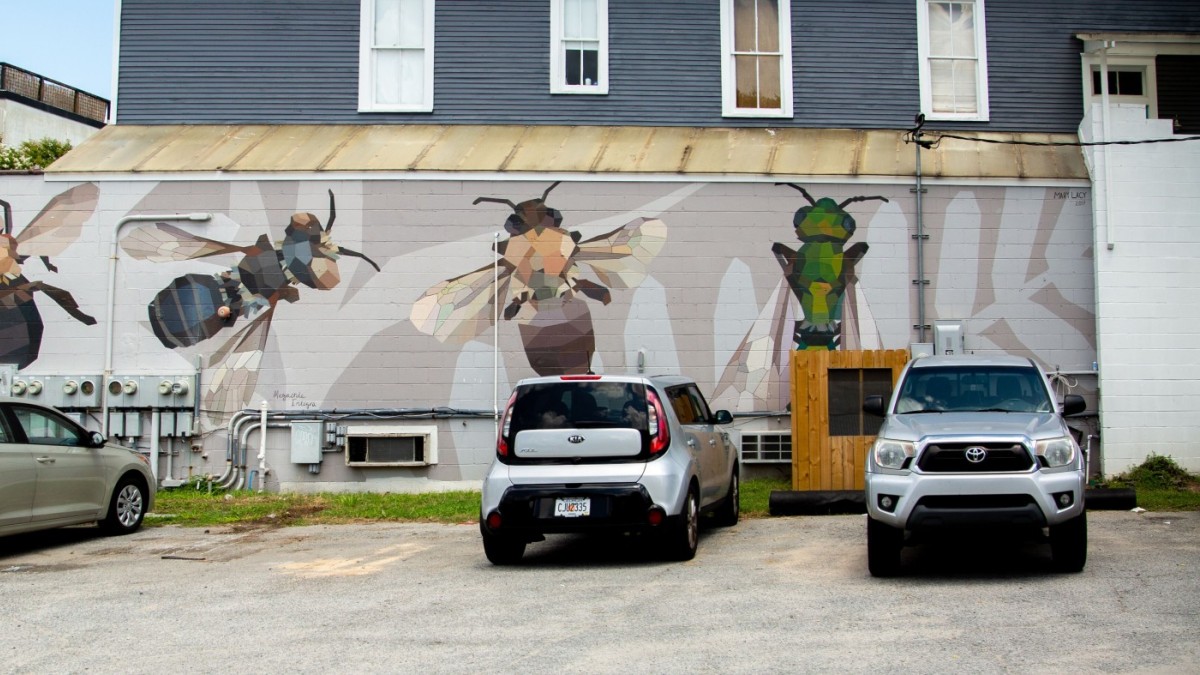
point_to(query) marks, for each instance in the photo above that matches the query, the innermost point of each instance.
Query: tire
(127, 508)
(684, 533)
(500, 549)
(727, 514)
(1068, 544)
(884, 543)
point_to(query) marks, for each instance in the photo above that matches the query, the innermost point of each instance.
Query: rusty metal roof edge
(155, 143)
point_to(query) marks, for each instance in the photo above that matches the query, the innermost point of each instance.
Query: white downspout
(112, 297)
(496, 331)
(262, 447)
(1107, 131)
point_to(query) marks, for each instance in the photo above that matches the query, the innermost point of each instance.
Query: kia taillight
(660, 433)
(505, 425)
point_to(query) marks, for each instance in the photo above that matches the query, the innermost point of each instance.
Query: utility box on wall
(948, 338)
(306, 442)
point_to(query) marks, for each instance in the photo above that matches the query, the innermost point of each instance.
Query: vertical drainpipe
(1103, 149)
(496, 332)
(920, 282)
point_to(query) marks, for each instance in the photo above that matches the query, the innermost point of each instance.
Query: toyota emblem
(976, 454)
(575, 439)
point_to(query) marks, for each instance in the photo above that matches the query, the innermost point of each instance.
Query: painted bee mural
(55, 228)
(820, 277)
(540, 277)
(819, 271)
(197, 307)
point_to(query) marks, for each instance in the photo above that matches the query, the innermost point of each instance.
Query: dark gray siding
(855, 63)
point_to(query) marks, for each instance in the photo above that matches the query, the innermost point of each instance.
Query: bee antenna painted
(861, 199)
(332, 213)
(7, 216)
(547, 192)
(497, 201)
(802, 191)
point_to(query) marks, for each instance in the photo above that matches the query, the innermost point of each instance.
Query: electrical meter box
(307, 437)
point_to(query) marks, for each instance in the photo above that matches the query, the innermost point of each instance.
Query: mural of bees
(540, 277)
(54, 229)
(820, 277)
(197, 307)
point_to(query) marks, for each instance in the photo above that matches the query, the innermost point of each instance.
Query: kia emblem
(575, 439)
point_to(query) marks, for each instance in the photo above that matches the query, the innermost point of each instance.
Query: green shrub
(32, 154)
(1156, 472)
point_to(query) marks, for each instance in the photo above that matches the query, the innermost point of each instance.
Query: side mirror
(1073, 403)
(97, 439)
(873, 405)
(723, 417)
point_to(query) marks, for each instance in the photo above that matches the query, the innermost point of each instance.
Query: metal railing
(52, 93)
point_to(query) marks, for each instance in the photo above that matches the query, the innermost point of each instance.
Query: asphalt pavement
(785, 594)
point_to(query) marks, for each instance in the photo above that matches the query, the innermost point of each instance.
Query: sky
(70, 41)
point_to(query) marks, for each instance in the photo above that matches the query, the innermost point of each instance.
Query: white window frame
(366, 62)
(558, 66)
(729, 107)
(924, 71)
(1094, 63)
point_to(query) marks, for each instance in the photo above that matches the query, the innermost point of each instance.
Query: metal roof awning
(203, 150)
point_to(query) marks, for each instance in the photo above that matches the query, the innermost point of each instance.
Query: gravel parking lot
(773, 595)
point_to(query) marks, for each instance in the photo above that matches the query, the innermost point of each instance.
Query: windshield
(973, 389)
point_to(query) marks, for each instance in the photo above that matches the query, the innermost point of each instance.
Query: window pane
(768, 78)
(744, 26)
(399, 76)
(1129, 83)
(768, 25)
(747, 81)
(399, 23)
(845, 402)
(582, 65)
(954, 89)
(951, 29)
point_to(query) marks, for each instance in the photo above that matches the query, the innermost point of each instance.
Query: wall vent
(766, 448)
(391, 445)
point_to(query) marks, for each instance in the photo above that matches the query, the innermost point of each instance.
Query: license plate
(572, 507)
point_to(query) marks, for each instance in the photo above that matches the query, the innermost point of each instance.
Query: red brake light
(579, 377)
(660, 433)
(505, 424)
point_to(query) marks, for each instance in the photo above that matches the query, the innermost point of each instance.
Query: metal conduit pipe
(112, 297)
(256, 426)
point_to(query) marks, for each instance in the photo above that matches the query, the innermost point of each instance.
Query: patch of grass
(756, 495)
(189, 507)
(1161, 485)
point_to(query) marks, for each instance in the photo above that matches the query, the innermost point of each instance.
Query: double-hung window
(952, 48)
(579, 46)
(756, 66)
(395, 63)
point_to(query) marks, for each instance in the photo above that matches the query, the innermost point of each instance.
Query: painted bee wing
(756, 377)
(60, 223)
(166, 243)
(620, 257)
(236, 368)
(460, 309)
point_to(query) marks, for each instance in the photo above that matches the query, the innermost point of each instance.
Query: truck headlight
(1056, 451)
(891, 454)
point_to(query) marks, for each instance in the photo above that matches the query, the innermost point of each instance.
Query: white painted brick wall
(1148, 306)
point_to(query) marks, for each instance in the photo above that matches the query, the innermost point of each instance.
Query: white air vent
(764, 448)
(391, 445)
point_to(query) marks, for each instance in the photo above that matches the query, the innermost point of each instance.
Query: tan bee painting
(542, 279)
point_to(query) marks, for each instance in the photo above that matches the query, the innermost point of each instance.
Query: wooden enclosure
(830, 432)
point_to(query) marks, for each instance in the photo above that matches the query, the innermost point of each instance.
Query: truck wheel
(727, 514)
(500, 549)
(883, 548)
(1068, 544)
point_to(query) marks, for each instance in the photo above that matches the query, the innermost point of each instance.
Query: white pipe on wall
(112, 296)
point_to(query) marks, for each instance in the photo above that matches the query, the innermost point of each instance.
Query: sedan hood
(915, 426)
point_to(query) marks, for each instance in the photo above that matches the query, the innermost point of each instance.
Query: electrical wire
(915, 136)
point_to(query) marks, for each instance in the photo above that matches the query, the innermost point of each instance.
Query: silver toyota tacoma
(587, 453)
(974, 442)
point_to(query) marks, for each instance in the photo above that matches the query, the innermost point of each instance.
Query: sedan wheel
(684, 535)
(127, 508)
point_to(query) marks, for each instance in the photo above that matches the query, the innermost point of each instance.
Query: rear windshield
(580, 405)
(973, 388)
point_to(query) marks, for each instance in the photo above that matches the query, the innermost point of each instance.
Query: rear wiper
(918, 412)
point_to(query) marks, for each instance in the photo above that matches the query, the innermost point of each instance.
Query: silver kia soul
(580, 453)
